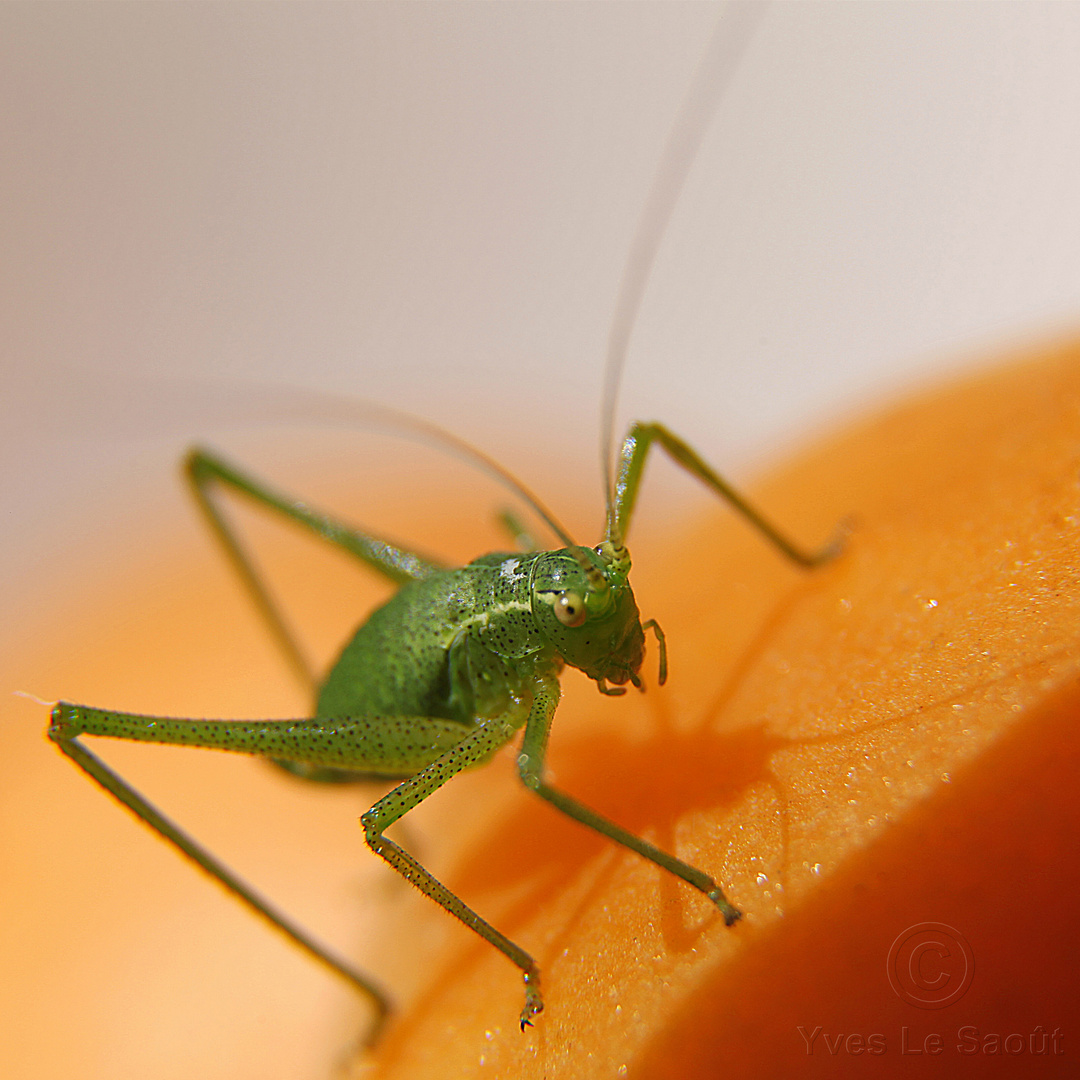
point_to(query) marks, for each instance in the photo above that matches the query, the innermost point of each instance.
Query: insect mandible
(449, 670)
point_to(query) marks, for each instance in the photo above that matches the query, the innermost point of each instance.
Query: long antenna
(299, 402)
(239, 402)
(707, 87)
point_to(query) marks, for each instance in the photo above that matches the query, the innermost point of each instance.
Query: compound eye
(569, 609)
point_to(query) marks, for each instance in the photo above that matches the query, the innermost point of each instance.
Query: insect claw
(534, 1003)
(836, 544)
(731, 914)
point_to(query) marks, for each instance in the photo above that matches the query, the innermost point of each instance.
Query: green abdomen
(399, 662)
(396, 663)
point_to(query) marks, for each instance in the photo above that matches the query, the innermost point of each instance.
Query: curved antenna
(708, 85)
(298, 403)
(352, 411)
(171, 402)
(356, 410)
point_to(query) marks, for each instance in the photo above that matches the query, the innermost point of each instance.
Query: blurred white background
(430, 206)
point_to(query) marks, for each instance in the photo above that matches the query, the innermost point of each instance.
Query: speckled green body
(458, 645)
(468, 644)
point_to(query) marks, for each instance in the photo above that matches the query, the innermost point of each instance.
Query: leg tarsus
(836, 545)
(534, 1001)
(731, 914)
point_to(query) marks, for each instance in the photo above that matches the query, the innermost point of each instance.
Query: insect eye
(569, 609)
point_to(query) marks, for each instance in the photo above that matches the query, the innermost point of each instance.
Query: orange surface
(889, 741)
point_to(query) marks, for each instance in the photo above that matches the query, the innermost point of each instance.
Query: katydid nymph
(450, 669)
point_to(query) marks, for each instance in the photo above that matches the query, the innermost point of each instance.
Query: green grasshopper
(435, 681)
(451, 667)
